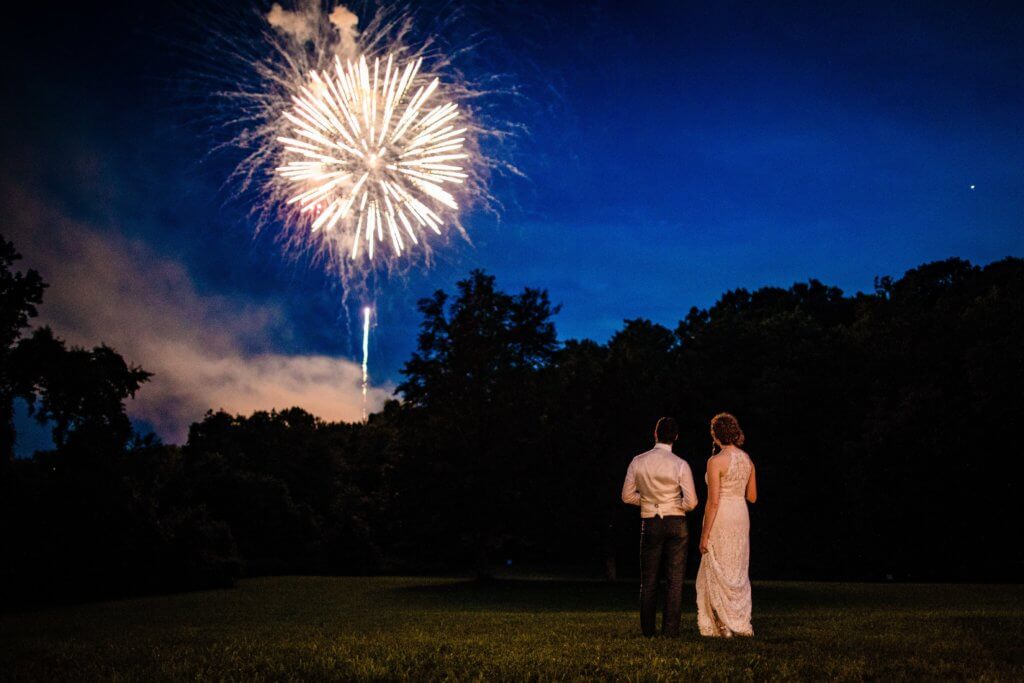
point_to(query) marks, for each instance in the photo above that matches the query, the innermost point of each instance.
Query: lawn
(317, 628)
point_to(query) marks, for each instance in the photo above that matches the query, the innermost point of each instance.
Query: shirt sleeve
(689, 491)
(630, 494)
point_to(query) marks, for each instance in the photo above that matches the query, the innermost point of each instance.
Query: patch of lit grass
(318, 628)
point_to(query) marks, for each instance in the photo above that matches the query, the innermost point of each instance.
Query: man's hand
(703, 546)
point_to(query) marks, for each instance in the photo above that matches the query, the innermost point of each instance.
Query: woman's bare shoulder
(715, 459)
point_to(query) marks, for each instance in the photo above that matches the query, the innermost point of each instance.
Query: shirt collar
(663, 446)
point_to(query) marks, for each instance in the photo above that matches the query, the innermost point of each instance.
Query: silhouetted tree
(81, 393)
(98, 515)
(20, 293)
(473, 386)
(299, 494)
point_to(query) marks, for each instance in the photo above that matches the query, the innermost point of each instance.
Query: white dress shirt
(660, 482)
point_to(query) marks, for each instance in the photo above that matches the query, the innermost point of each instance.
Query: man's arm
(686, 485)
(630, 495)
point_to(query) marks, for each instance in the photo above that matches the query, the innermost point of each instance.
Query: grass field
(429, 629)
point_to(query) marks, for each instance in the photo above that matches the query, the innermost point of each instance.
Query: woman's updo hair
(725, 430)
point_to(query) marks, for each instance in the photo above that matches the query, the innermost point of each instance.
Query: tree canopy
(878, 422)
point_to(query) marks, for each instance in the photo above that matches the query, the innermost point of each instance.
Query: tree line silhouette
(882, 425)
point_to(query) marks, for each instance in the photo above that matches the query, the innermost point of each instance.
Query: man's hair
(666, 430)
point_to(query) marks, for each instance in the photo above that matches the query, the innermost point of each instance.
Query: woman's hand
(703, 546)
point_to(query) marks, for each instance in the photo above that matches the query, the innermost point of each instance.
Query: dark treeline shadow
(882, 426)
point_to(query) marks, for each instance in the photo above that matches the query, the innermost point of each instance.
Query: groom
(662, 485)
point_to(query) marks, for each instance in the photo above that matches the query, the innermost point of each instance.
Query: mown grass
(316, 628)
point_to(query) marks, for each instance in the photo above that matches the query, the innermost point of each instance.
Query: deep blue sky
(675, 150)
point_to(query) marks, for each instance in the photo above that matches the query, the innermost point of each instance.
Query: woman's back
(737, 472)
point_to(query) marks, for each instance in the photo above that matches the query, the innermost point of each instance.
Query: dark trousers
(663, 542)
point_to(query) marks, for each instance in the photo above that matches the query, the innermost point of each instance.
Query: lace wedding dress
(723, 587)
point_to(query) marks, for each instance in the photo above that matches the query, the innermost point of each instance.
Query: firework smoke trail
(366, 356)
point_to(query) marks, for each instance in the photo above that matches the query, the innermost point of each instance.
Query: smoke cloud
(306, 22)
(345, 21)
(300, 24)
(206, 351)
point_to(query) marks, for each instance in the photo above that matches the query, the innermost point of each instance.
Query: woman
(723, 587)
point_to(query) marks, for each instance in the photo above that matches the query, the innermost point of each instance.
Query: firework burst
(371, 154)
(360, 144)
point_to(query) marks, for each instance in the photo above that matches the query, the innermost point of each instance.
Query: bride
(723, 587)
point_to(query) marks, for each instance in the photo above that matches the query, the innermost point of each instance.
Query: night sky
(674, 151)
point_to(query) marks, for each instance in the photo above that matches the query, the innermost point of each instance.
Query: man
(661, 483)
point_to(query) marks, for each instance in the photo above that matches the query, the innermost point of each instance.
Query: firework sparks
(367, 155)
(361, 143)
